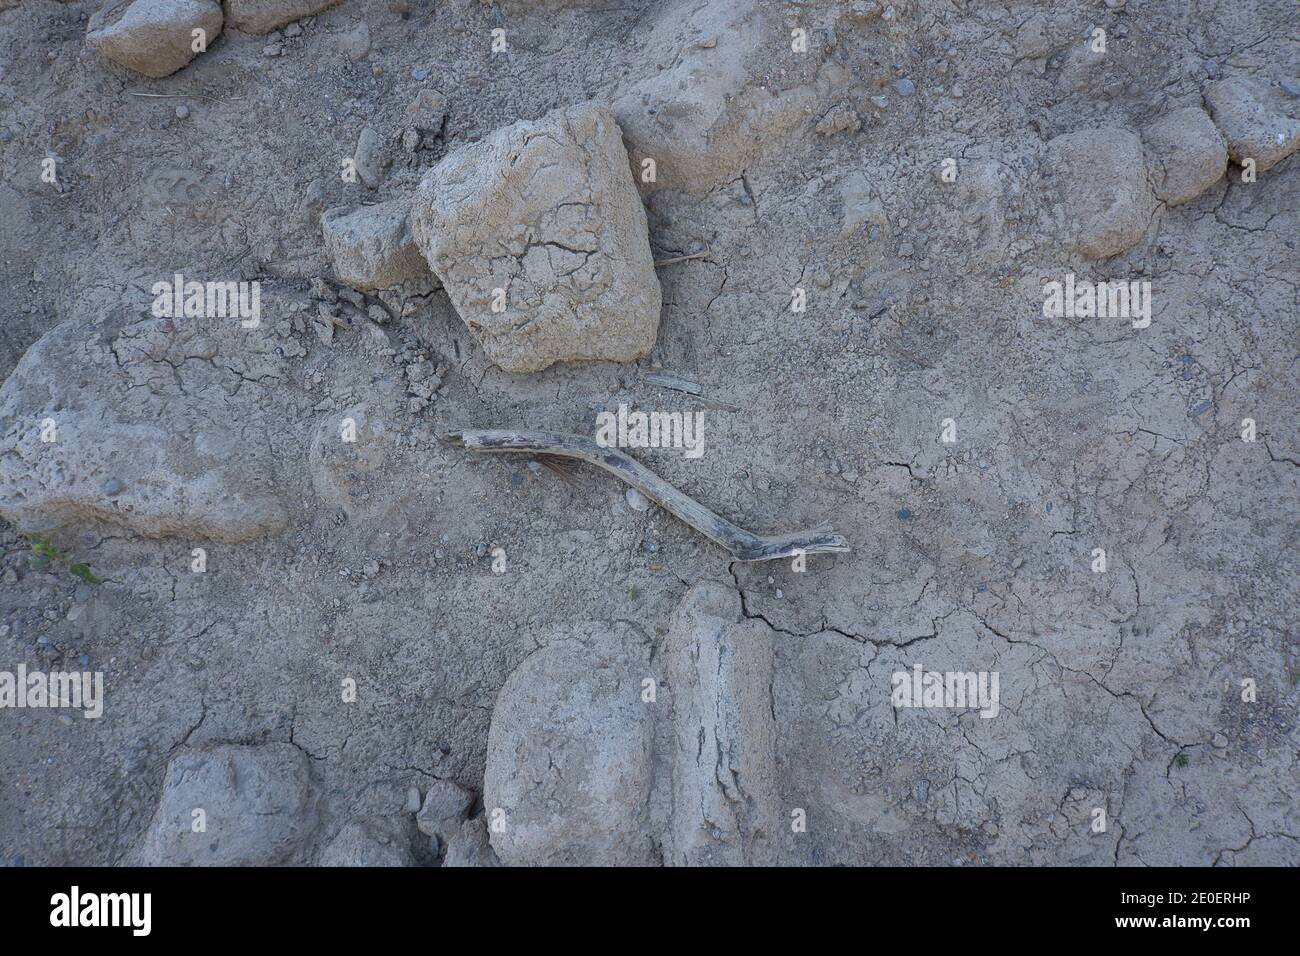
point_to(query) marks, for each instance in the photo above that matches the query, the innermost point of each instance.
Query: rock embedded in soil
(1185, 154)
(443, 811)
(257, 801)
(143, 429)
(372, 247)
(469, 846)
(153, 37)
(263, 16)
(725, 804)
(539, 236)
(569, 750)
(366, 844)
(709, 116)
(1104, 201)
(1254, 121)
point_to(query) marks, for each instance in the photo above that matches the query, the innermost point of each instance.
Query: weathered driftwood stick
(743, 545)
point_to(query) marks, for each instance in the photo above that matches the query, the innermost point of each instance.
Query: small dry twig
(743, 545)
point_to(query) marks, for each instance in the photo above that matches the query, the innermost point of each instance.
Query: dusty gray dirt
(433, 579)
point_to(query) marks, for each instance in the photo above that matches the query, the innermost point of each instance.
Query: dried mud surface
(817, 170)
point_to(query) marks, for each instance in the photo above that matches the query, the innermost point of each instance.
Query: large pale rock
(159, 432)
(568, 765)
(263, 16)
(366, 843)
(1185, 153)
(258, 808)
(153, 37)
(725, 804)
(706, 117)
(1104, 201)
(1254, 120)
(372, 247)
(541, 220)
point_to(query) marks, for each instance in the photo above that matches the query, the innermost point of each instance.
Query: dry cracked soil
(1006, 292)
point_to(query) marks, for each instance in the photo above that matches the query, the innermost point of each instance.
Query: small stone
(1220, 741)
(427, 112)
(413, 799)
(635, 500)
(369, 158)
(903, 86)
(113, 487)
(445, 806)
(1291, 88)
(152, 37)
(1031, 38)
(372, 247)
(839, 119)
(904, 514)
(410, 141)
(420, 74)
(182, 111)
(356, 43)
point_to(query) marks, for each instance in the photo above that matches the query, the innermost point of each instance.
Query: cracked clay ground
(400, 652)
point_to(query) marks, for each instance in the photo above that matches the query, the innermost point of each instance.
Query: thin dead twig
(743, 545)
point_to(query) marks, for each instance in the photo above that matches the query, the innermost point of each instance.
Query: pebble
(635, 500)
(419, 73)
(413, 801)
(182, 111)
(1291, 88)
(904, 513)
(113, 487)
(1220, 741)
(903, 86)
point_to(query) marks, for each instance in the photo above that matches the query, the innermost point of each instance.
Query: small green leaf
(82, 570)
